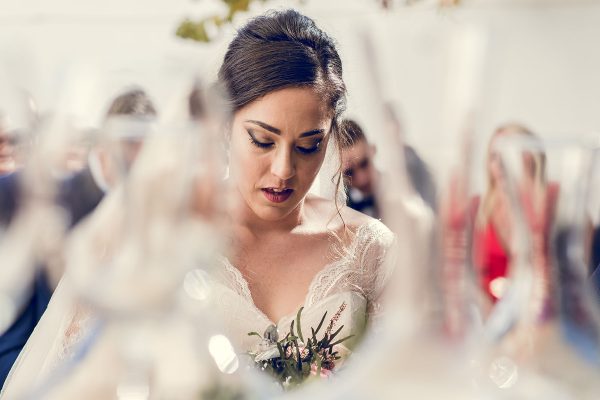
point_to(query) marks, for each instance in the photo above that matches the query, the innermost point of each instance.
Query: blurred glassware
(427, 324)
(36, 213)
(543, 333)
(28, 199)
(137, 266)
(18, 119)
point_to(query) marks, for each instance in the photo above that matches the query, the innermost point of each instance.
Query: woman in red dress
(494, 218)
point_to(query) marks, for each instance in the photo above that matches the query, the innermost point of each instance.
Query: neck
(246, 219)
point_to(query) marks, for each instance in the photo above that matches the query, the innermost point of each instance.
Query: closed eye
(257, 143)
(310, 150)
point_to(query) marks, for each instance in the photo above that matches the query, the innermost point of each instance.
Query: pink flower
(335, 318)
(291, 351)
(325, 373)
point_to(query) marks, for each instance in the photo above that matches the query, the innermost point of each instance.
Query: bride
(291, 249)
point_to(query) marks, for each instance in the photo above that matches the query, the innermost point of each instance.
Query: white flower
(267, 354)
(265, 350)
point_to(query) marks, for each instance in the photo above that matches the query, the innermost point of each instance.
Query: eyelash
(260, 144)
(302, 150)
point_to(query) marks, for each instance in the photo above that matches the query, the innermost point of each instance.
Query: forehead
(291, 109)
(501, 135)
(356, 152)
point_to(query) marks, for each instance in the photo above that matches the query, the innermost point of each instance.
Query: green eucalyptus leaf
(320, 324)
(281, 352)
(298, 358)
(319, 362)
(306, 369)
(340, 341)
(298, 326)
(334, 334)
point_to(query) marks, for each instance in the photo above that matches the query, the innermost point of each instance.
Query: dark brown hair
(351, 133)
(134, 102)
(278, 50)
(285, 49)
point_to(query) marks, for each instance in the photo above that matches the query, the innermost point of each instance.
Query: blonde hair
(538, 174)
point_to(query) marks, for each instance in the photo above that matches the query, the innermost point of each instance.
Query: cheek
(495, 169)
(237, 158)
(529, 165)
(370, 170)
(308, 169)
(245, 165)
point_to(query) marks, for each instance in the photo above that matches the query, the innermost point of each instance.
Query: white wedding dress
(353, 283)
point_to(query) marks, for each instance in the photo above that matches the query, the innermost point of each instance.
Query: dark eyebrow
(265, 126)
(313, 132)
(278, 131)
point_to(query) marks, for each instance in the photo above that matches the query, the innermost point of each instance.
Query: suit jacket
(595, 261)
(9, 195)
(79, 195)
(595, 255)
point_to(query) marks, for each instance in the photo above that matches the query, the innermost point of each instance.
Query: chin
(271, 213)
(266, 211)
(280, 210)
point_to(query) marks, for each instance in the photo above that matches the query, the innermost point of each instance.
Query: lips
(277, 195)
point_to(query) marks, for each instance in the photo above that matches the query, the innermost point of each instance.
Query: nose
(282, 165)
(361, 179)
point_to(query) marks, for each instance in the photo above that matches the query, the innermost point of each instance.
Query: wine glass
(137, 264)
(426, 325)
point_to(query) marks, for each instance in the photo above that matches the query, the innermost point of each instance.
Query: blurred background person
(494, 217)
(594, 258)
(8, 146)
(361, 177)
(129, 119)
(79, 195)
(76, 158)
(593, 234)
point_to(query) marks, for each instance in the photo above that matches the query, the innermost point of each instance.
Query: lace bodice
(355, 278)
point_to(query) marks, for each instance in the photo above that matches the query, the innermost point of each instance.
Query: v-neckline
(248, 293)
(250, 298)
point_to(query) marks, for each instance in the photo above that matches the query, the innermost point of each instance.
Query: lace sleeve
(373, 243)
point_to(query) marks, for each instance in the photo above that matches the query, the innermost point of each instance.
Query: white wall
(541, 64)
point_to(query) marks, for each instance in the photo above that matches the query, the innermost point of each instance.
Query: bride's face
(278, 144)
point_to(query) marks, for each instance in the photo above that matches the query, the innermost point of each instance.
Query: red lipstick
(277, 195)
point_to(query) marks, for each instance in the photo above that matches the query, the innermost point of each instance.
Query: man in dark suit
(361, 177)
(9, 194)
(595, 261)
(78, 195)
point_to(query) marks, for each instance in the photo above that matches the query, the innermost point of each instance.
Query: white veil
(32, 364)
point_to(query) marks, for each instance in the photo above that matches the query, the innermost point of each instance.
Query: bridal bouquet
(296, 358)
